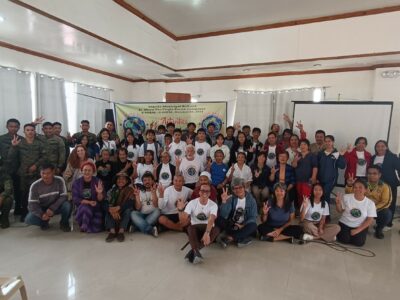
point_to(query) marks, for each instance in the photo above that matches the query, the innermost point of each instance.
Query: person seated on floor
(119, 206)
(380, 193)
(146, 204)
(205, 178)
(313, 214)
(88, 194)
(199, 216)
(167, 203)
(238, 215)
(48, 197)
(277, 218)
(358, 213)
(6, 195)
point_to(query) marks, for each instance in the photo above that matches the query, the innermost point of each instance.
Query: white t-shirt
(379, 160)
(151, 147)
(109, 145)
(190, 170)
(240, 209)
(199, 213)
(177, 150)
(160, 139)
(355, 212)
(165, 177)
(271, 156)
(224, 149)
(133, 152)
(141, 169)
(202, 152)
(361, 164)
(244, 173)
(292, 155)
(171, 196)
(147, 202)
(314, 214)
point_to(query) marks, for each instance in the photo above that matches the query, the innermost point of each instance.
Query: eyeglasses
(205, 191)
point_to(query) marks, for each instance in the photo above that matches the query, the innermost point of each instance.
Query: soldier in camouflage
(6, 195)
(57, 128)
(76, 138)
(54, 147)
(31, 153)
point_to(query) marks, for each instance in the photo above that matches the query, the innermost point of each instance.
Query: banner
(142, 116)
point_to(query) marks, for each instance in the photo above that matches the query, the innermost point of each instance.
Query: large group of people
(228, 189)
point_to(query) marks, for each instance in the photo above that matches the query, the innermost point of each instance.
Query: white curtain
(91, 105)
(283, 104)
(15, 96)
(52, 100)
(254, 110)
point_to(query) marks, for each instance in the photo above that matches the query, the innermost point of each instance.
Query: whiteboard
(345, 120)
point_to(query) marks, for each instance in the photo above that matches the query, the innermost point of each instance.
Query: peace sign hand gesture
(99, 187)
(15, 141)
(266, 208)
(299, 125)
(224, 195)
(350, 180)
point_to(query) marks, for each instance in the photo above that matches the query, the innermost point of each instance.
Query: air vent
(173, 75)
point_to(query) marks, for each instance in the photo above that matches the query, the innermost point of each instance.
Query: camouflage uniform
(67, 151)
(55, 150)
(76, 138)
(28, 155)
(6, 194)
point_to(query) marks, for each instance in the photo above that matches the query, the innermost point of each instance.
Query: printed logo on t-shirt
(271, 155)
(201, 216)
(178, 152)
(361, 162)
(104, 172)
(191, 171)
(87, 194)
(200, 151)
(355, 212)
(131, 154)
(164, 176)
(315, 216)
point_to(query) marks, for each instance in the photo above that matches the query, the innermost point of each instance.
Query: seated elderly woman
(277, 218)
(238, 215)
(88, 194)
(119, 206)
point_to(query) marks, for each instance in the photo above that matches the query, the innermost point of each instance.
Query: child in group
(218, 170)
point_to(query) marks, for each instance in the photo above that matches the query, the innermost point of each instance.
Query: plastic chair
(9, 286)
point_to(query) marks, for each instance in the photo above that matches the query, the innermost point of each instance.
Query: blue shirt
(277, 216)
(218, 173)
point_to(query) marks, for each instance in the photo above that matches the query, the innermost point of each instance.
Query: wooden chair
(9, 286)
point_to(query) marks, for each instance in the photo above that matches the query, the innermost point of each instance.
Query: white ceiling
(28, 29)
(186, 17)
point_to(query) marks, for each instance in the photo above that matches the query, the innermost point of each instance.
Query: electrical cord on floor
(341, 248)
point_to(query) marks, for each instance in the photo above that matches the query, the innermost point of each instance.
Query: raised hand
(257, 174)
(224, 195)
(339, 198)
(266, 208)
(134, 165)
(237, 126)
(180, 205)
(350, 180)
(349, 147)
(342, 151)
(286, 118)
(299, 125)
(136, 192)
(38, 120)
(306, 202)
(273, 171)
(15, 141)
(99, 187)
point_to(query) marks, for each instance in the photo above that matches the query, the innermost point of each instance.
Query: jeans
(384, 216)
(238, 235)
(122, 223)
(145, 222)
(65, 210)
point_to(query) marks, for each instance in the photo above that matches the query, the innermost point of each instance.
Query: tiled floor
(58, 266)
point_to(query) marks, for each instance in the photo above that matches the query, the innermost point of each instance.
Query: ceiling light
(246, 70)
(119, 61)
(390, 74)
(1, 19)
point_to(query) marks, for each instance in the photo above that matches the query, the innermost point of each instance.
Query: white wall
(363, 85)
(10, 58)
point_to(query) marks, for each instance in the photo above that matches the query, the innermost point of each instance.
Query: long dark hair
(286, 201)
(100, 139)
(247, 144)
(126, 143)
(383, 142)
(312, 195)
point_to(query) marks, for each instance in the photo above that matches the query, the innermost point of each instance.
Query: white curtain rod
(279, 91)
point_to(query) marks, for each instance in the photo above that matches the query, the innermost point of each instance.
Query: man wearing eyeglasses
(238, 215)
(199, 214)
(380, 193)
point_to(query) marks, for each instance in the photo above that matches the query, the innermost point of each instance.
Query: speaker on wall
(110, 115)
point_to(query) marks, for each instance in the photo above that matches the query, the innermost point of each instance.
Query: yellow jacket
(381, 194)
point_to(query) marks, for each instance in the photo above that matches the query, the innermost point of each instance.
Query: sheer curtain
(91, 105)
(15, 96)
(52, 100)
(255, 110)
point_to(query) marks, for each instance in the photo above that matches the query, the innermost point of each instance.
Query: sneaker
(387, 228)
(244, 242)
(65, 228)
(110, 237)
(154, 232)
(189, 256)
(266, 238)
(307, 237)
(120, 237)
(222, 241)
(379, 234)
(197, 257)
(44, 226)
